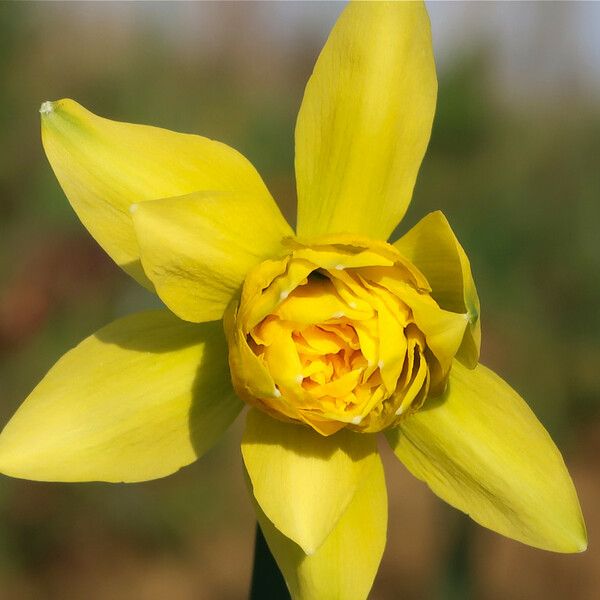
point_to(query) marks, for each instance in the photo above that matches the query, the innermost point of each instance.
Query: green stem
(267, 581)
(457, 584)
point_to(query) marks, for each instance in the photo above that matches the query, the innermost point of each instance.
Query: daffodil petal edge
(347, 562)
(434, 249)
(197, 249)
(105, 166)
(304, 481)
(138, 400)
(365, 120)
(480, 448)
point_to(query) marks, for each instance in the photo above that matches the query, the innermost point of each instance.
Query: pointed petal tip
(574, 546)
(51, 110)
(572, 543)
(583, 541)
(46, 108)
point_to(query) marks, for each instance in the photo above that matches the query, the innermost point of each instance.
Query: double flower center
(341, 334)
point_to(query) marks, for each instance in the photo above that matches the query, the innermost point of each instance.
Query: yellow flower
(331, 334)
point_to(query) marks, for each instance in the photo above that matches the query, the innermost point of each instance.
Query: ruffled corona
(340, 332)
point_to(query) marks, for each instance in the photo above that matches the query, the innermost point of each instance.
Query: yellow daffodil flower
(330, 334)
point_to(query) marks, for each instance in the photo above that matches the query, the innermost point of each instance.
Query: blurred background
(514, 162)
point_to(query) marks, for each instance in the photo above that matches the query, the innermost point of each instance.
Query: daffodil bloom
(329, 333)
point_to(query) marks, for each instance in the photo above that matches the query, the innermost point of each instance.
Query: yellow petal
(304, 481)
(244, 363)
(365, 120)
(345, 565)
(432, 246)
(481, 449)
(444, 329)
(105, 166)
(197, 249)
(137, 400)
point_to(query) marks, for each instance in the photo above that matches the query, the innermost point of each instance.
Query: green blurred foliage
(520, 187)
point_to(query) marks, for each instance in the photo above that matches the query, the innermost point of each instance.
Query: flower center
(339, 336)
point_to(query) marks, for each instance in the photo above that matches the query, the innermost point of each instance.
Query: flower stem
(457, 584)
(267, 581)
